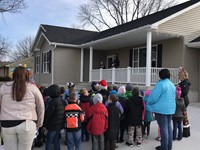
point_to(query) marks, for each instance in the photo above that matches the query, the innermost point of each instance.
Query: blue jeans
(53, 137)
(177, 124)
(74, 139)
(164, 122)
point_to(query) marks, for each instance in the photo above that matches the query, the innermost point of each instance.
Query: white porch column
(148, 59)
(91, 62)
(81, 67)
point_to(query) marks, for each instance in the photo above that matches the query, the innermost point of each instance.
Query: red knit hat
(103, 84)
(178, 91)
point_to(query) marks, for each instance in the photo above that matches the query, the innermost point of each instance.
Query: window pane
(135, 55)
(142, 57)
(135, 64)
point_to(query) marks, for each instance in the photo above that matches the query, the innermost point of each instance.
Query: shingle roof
(76, 36)
(67, 35)
(147, 20)
(196, 40)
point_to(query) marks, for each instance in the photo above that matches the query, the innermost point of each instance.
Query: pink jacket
(30, 108)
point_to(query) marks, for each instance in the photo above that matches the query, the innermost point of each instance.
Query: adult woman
(22, 111)
(184, 84)
(162, 102)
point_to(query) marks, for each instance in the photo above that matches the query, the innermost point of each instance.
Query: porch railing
(131, 75)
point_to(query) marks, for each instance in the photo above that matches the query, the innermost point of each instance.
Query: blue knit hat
(113, 92)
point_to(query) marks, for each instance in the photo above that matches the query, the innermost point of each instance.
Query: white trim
(146, 27)
(176, 14)
(90, 63)
(148, 59)
(52, 64)
(65, 45)
(81, 66)
(193, 45)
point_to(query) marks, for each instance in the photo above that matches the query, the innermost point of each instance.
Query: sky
(15, 27)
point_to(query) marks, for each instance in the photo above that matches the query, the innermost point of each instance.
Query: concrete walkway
(191, 143)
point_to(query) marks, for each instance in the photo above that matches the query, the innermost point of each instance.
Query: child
(85, 101)
(123, 119)
(113, 123)
(54, 117)
(178, 116)
(74, 117)
(148, 116)
(98, 122)
(134, 111)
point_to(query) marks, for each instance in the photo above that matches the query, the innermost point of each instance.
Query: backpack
(73, 116)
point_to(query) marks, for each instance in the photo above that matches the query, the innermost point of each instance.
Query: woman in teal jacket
(162, 102)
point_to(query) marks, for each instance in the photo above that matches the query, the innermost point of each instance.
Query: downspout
(52, 64)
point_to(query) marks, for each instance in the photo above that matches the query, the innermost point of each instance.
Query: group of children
(103, 113)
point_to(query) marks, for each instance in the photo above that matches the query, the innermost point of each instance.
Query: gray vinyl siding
(43, 79)
(66, 65)
(184, 24)
(172, 53)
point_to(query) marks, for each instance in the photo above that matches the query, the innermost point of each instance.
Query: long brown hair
(20, 77)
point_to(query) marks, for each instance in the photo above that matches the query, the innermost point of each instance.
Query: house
(4, 69)
(27, 63)
(138, 50)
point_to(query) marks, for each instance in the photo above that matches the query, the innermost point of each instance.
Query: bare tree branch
(12, 6)
(4, 47)
(109, 13)
(23, 49)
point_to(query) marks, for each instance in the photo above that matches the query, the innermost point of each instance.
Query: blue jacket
(162, 98)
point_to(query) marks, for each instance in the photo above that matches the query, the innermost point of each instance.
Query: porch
(131, 75)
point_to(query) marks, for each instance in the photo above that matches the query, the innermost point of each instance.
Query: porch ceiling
(128, 40)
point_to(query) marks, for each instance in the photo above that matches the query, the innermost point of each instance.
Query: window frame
(134, 61)
(45, 62)
(37, 64)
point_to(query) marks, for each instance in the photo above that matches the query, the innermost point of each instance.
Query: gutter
(146, 27)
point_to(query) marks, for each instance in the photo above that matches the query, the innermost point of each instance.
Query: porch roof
(194, 43)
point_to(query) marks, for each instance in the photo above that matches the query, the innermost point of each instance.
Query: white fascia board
(64, 45)
(176, 14)
(146, 27)
(193, 45)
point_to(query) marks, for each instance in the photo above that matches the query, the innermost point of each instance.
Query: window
(46, 59)
(37, 64)
(139, 57)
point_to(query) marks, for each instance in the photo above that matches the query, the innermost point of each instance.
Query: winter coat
(162, 98)
(134, 111)
(85, 103)
(113, 121)
(185, 84)
(55, 113)
(118, 104)
(180, 108)
(148, 117)
(98, 122)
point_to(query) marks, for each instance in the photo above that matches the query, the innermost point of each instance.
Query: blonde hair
(182, 73)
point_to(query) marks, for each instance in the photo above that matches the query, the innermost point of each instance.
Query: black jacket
(113, 121)
(185, 84)
(55, 113)
(134, 111)
(180, 108)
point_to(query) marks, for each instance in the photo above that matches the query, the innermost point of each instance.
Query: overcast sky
(15, 27)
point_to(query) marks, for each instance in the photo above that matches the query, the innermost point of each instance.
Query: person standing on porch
(162, 102)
